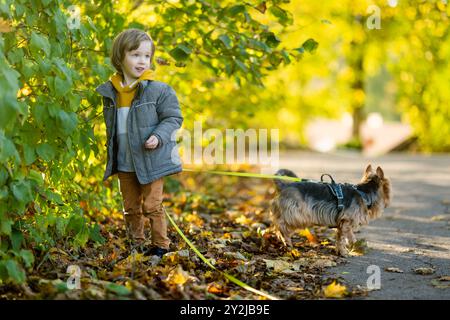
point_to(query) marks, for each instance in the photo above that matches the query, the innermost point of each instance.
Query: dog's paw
(342, 251)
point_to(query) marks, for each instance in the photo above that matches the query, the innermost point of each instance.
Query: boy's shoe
(157, 251)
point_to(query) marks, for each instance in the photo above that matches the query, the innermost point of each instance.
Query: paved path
(414, 231)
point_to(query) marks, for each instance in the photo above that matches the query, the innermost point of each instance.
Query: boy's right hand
(151, 143)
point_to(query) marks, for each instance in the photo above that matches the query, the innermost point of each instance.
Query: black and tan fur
(306, 203)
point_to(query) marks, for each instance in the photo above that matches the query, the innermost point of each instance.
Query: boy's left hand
(151, 143)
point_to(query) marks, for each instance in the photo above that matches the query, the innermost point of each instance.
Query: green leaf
(29, 154)
(36, 176)
(5, 226)
(235, 10)
(3, 176)
(225, 40)
(76, 223)
(281, 14)
(310, 45)
(7, 149)
(285, 56)
(15, 271)
(241, 65)
(10, 76)
(46, 151)
(40, 113)
(39, 42)
(16, 240)
(67, 121)
(22, 191)
(271, 39)
(54, 197)
(27, 257)
(95, 234)
(118, 289)
(62, 87)
(180, 53)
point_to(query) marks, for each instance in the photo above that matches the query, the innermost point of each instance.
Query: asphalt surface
(414, 231)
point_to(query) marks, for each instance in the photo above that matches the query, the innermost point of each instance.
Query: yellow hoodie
(126, 93)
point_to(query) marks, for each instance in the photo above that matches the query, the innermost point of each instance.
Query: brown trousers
(141, 200)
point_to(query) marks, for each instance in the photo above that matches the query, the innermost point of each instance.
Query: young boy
(141, 117)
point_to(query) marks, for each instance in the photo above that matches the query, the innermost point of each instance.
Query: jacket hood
(117, 79)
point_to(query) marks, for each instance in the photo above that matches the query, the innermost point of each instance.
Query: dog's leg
(341, 237)
(285, 234)
(351, 236)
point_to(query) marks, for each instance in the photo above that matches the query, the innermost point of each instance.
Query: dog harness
(336, 190)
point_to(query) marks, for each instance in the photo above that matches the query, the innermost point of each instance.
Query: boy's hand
(151, 143)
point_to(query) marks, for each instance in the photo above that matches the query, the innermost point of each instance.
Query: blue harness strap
(366, 197)
(336, 190)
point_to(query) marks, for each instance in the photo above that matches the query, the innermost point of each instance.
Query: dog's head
(382, 183)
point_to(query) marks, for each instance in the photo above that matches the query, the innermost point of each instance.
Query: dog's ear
(367, 173)
(380, 173)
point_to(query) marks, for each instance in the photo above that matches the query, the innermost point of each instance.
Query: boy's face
(137, 61)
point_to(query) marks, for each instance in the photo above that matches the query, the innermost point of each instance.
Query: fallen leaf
(178, 276)
(295, 253)
(277, 265)
(306, 233)
(215, 288)
(294, 288)
(395, 270)
(323, 263)
(424, 271)
(359, 247)
(441, 284)
(235, 255)
(335, 290)
(183, 253)
(244, 220)
(260, 226)
(118, 289)
(441, 217)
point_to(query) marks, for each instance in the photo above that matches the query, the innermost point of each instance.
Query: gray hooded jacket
(154, 111)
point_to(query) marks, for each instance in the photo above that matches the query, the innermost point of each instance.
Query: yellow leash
(245, 174)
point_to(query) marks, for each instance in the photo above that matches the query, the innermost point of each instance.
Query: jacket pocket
(165, 156)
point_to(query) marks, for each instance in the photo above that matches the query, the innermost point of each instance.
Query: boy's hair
(128, 40)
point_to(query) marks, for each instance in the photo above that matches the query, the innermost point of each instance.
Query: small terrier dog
(302, 204)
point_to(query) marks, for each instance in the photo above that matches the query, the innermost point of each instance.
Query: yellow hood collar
(117, 79)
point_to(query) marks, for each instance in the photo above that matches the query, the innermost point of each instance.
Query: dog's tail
(280, 183)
